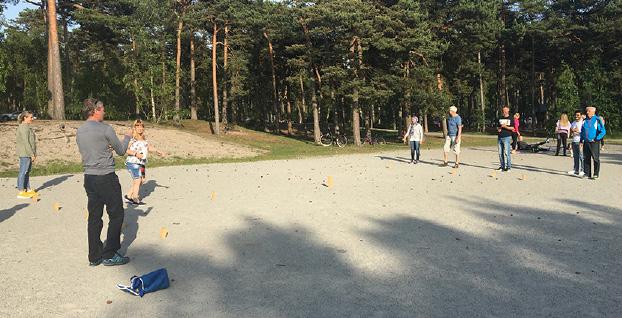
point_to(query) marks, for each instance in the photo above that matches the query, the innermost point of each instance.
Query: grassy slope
(275, 147)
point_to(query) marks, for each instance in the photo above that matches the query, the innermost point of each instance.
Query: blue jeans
(578, 157)
(505, 155)
(23, 178)
(414, 150)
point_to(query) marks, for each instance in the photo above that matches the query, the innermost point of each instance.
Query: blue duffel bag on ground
(148, 283)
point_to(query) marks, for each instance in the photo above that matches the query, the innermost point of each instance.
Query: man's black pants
(591, 150)
(104, 191)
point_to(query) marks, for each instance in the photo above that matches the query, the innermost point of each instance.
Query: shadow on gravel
(130, 226)
(7, 213)
(611, 158)
(54, 182)
(148, 188)
(527, 262)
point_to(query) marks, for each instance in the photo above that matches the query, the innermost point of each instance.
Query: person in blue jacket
(592, 133)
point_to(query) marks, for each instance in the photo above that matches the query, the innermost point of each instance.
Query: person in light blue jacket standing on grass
(592, 133)
(26, 149)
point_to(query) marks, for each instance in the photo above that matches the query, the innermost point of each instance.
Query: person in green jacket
(27, 152)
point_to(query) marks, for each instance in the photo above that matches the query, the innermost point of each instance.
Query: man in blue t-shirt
(454, 133)
(592, 133)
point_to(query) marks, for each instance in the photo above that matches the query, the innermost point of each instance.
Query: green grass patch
(273, 147)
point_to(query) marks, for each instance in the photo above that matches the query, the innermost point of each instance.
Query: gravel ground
(385, 239)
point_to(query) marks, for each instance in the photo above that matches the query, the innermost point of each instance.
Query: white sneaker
(571, 172)
(581, 174)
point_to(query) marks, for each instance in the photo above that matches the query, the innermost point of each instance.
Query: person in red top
(516, 133)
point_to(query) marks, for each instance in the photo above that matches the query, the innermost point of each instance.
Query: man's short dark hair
(578, 111)
(90, 105)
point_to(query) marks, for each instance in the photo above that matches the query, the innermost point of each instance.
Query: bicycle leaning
(330, 139)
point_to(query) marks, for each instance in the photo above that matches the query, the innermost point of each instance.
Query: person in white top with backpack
(414, 135)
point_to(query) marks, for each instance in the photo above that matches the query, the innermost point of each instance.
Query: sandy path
(387, 240)
(54, 144)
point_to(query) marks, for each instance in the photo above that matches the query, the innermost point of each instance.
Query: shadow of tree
(611, 158)
(53, 182)
(273, 272)
(524, 261)
(7, 213)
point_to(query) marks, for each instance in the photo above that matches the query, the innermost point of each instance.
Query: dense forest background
(321, 64)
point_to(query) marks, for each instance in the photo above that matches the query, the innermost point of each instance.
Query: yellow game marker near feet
(163, 233)
(35, 198)
(493, 174)
(213, 195)
(329, 181)
(57, 206)
(453, 171)
(523, 177)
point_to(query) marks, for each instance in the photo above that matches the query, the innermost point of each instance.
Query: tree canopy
(327, 64)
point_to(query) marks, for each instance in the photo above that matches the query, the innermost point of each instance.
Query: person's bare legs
(134, 189)
(444, 157)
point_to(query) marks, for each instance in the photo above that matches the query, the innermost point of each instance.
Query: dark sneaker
(500, 169)
(116, 260)
(444, 164)
(416, 162)
(139, 203)
(95, 263)
(456, 166)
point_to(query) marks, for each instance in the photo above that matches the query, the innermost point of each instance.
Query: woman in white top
(562, 129)
(414, 135)
(137, 154)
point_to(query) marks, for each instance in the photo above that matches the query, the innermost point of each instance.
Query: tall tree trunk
(335, 112)
(137, 108)
(439, 84)
(193, 83)
(357, 52)
(481, 93)
(180, 26)
(274, 92)
(215, 80)
(55, 77)
(290, 129)
(163, 100)
(302, 97)
(153, 106)
(316, 117)
(425, 121)
(225, 86)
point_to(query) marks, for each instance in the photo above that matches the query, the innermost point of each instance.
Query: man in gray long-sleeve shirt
(96, 141)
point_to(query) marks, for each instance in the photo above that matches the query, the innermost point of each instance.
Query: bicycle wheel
(326, 140)
(342, 141)
(380, 141)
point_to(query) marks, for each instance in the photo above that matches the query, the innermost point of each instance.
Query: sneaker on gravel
(581, 174)
(117, 259)
(95, 263)
(24, 195)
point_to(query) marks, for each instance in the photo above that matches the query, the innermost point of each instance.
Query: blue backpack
(140, 285)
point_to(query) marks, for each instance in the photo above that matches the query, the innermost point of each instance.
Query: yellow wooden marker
(523, 177)
(213, 195)
(163, 233)
(329, 181)
(35, 198)
(57, 206)
(452, 172)
(493, 174)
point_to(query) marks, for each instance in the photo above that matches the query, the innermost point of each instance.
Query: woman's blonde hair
(23, 115)
(516, 115)
(135, 135)
(563, 120)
